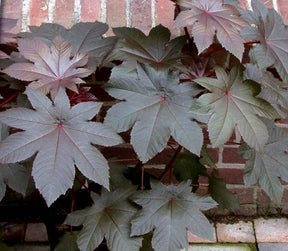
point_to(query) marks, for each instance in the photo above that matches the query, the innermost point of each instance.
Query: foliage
(228, 72)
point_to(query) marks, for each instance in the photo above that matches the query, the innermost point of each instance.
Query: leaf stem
(169, 166)
(9, 99)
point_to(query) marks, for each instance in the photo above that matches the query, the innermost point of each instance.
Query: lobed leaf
(210, 17)
(268, 29)
(54, 68)
(62, 137)
(231, 103)
(155, 49)
(109, 218)
(156, 106)
(268, 165)
(170, 211)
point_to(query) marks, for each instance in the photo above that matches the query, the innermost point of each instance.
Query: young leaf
(109, 218)
(268, 28)
(154, 49)
(15, 176)
(68, 242)
(170, 211)
(268, 165)
(156, 106)
(210, 17)
(232, 102)
(62, 137)
(54, 68)
(188, 166)
(219, 192)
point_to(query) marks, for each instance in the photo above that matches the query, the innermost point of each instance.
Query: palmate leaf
(268, 28)
(54, 68)
(109, 217)
(268, 165)
(156, 106)
(154, 49)
(15, 176)
(62, 137)
(232, 102)
(210, 17)
(170, 211)
(272, 89)
(84, 37)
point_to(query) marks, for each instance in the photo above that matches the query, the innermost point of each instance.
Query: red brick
(267, 3)
(283, 10)
(213, 153)
(245, 194)
(116, 14)
(231, 175)
(12, 232)
(165, 13)
(64, 13)
(231, 155)
(90, 10)
(13, 9)
(38, 12)
(141, 15)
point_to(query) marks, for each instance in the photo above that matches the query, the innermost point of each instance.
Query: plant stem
(83, 185)
(169, 166)
(9, 99)
(121, 160)
(142, 177)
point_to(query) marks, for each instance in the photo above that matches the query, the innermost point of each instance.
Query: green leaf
(219, 192)
(206, 159)
(68, 242)
(117, 178)
(209, 17)
(62, 137)
(156, 106)
(155, 49)
(15, 176)
(109, 218)
(232, 102)
(188, 166)
(170, 211)
(268, 28)
(269, 165)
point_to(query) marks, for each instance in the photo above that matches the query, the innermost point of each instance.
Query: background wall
(144, 14)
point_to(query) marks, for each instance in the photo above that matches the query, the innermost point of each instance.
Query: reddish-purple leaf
(210, 17)
(53, 68)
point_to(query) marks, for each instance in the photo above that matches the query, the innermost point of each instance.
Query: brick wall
(145, 14)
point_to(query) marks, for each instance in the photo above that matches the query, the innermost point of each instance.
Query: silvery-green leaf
(156, 106)
(62, 137)
(169, 211)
